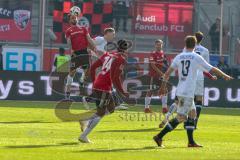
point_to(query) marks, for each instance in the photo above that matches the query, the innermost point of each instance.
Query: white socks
(91, 125)
(147, 101)
(171, 110)
(82, 77)
(69, 80)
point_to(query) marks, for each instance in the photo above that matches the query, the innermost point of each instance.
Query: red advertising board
(162, 18)
(15, 25)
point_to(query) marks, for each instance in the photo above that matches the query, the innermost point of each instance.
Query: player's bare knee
(69, 80)
(72, 72)
(198, 102)
(176, 101)
(181, 117)
(198, 99)
(192, 114)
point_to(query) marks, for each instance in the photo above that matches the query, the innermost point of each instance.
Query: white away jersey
(100, 43)
(202, 51)
(187, 64)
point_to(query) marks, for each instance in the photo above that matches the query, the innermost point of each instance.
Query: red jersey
(78, 37)
(157, 58)
(110, 74)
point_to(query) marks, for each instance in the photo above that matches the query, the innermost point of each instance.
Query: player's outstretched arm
(207, 67)
(91, 42)
(117, 81)
(167, 74)
(163, 88)
(116, 71)
(210, 76)
(221, 74)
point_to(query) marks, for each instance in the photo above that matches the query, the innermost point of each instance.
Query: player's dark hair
(107, 30)
(199, 36)
(68, 17)
(190, 42)
(123, 45)
(158, 41)
(61, 50)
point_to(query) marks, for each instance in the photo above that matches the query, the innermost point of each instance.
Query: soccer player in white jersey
(187, 64)
(199, 90)
(101, 41)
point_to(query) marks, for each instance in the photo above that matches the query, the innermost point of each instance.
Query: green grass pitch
(31, 131)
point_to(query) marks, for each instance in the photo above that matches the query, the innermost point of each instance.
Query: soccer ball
(76, 11)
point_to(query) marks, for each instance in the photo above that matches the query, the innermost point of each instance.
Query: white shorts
(199, 90)
(185, 105)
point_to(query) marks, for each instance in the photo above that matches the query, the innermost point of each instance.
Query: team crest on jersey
(21, 18)
(84, 22)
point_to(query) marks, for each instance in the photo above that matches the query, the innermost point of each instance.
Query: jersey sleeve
(207, 56)
(67, 34)
(97, 40)
(203, 64)
(208, 75)
(174, 64)
(55, 62)
(85, 31)
(116, 72)
(151, 58)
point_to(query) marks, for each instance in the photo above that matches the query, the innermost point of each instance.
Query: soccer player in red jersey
(157, 66)
(110, 75)
(79, 39)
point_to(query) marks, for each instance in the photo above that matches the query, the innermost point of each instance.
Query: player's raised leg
(69, 82)
(102, 101)
(182, 113)
(111, 68)
(78, 39)
(171, 110)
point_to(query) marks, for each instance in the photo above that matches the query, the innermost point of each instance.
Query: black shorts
(80, 59)
(176, 99)
(154, 83)
(104, 102)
